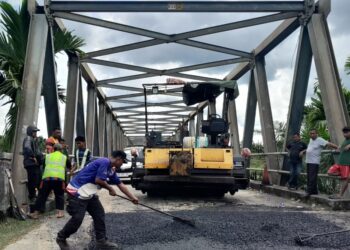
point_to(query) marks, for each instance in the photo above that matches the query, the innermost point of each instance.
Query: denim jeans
(295, 169)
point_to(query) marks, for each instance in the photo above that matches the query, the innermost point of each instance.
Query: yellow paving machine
(203, 163)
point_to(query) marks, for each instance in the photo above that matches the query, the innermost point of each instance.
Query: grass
(12, 229)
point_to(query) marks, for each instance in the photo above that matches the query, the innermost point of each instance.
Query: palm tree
(314, 114)
(347, 66)
(13, 43)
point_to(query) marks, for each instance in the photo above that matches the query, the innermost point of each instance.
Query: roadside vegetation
(12, 229)
(13, 43)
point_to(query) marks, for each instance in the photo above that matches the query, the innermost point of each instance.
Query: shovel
(16, 211)
(175, 218)
(301, 239)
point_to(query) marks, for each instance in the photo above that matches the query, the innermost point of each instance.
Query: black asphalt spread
(223, 227)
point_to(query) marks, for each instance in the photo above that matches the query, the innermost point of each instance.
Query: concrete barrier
(5, 163)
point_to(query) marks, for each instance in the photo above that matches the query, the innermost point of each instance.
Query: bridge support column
(71, 101)
(96, 144)
(109, 134)
(80, 124)
(50, 92)
(199, 124)
(211, 108)
(299, 90)
(90, 117)
(192, 127)
(250, 113)
(31, 94)
(266, 120)
(328, 77)
(234, 133)
(115, 134)
(102, 127)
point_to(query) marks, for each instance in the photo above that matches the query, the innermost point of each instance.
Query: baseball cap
(346, 129)
(33, 128)
(121, 154)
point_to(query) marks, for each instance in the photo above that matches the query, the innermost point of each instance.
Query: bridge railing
(328, 184)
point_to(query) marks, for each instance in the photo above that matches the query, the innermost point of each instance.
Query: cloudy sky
(279, 63)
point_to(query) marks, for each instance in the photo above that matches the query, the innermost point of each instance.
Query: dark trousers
(295, 169)
(312, 171)
(77, 208)
(34, 176)
(46, 187)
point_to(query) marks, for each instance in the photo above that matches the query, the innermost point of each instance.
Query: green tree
(347, 66)
(13, 44)
(315, 117)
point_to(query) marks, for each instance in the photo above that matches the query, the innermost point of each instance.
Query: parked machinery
(193, 163)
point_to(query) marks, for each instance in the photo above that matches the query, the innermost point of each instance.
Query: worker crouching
(82, 198)
(53, 179)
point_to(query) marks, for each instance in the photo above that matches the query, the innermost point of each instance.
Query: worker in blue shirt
(82, 198)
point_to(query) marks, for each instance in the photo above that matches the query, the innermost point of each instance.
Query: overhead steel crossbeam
(182, 6)
(155, 72)
(159, 105)
(142, 112)
(119, 97)
(194, 33)
(149, 104)
(286, 28)
(141, 116)
(148, 33)
(283, 10)
(140, 90)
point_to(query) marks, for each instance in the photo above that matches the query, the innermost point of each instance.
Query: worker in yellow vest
(53, 179)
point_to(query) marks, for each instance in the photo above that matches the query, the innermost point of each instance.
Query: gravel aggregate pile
(225, 227)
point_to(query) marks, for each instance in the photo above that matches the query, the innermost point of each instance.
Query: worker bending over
(82, 198)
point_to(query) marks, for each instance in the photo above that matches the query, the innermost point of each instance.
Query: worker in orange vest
(52, 140)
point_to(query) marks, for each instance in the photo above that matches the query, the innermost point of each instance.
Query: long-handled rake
(175, 218)
(301, 239)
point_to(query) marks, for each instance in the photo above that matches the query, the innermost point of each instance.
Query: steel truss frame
(108, 127)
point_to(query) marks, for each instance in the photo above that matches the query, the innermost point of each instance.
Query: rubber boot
(62, 243)
(106, 245)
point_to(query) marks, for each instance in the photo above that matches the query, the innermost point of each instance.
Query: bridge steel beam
(50, 92)
(102, 127)
(147, 33)
(195, 33)
(234, 131)
(250, 113)
(80, 124)
(171, 71)
(71, 101)
(90, 116)
(96, 134)
(328, 77)
(191, 127)
(127, 96)
(266, 121)
(298, 94)
(286, 28)
(199, 124)
(109, 134)
(114, 134)
(31, 94)
(167, 6)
